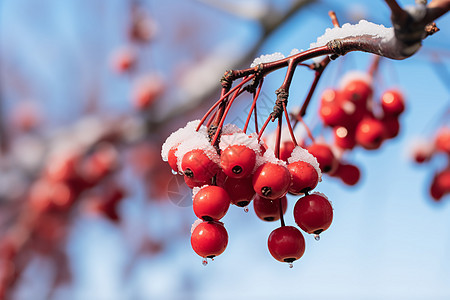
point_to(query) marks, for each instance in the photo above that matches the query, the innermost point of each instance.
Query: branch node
(282, 97)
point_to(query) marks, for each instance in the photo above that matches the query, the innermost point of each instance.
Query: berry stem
(253, 107)
(223, 98)
(291, 132)
(278, 139)
(281, 213)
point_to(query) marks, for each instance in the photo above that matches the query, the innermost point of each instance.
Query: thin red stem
(278, 140)
(244, 81)
(291, 132)
(264, 127)
(253, 107)
(227, 109)
(281, 212)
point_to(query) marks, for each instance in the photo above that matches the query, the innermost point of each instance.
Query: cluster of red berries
(241, 169)
(424, 152)
(355, 118)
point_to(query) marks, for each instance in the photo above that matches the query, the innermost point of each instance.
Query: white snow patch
(197, 189)
(301, 154)
(265, 58)
(242, 139)
(268, 157)
(181, 135)
(230, 129)
(196, 223)
(347, 30)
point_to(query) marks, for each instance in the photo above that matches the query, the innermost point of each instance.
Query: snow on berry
(196, 141)
(301, 154)
(230, 129)
(195, 224)
(268, 157)
(197, 189)
(348, 30)
(181, 135)
(240, 138)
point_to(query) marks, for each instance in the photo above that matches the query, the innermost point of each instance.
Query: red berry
(332, 114)
(392, 102)
(443, 180)
(286, 244)
(241, 191)
(442, 140)
(267, 209)
(370, 133)
(172, 159)
(286, 150)
(304, 177)
(325, 157)
(196, 165)
(313, 213)
(348, 173)
(211, 203)
(391, 127)
(344, 138)
(209, 239)
(357, 91)
(271, 180)
(237, 161)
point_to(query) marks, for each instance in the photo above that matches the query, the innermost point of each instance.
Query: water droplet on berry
(174, 172)
(204, 262)
(291, 265)
(317, 237)
(246, 209)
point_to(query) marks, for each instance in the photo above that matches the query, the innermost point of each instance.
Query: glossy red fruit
(237, 161)
(344, 138)
(357, 91)
(332, 114)
(304, 177)
(197, 166)
(325, 157)
(348, 173)
(172, 159)
(46, 196)
(267, 209)
(271, 180)
(286, 244)
(392, 102)
(209, 239)
(313, 213)
(370, 133)
(211, 203)
(442, 141)
(286, 150)
(241, 191)
(391, 127)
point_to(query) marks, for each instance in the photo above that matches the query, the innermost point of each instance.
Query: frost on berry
(195, 224)
(179, 136)
(268, 157)
(230, 129)
(197, 189)
(240, 138)
(301, 154)
(355, 76)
